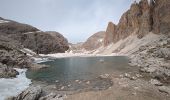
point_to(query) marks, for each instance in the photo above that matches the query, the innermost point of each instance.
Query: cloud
(75, 19)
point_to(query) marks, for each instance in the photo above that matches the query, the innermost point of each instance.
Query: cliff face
(32, 38)
(95, 41)
(108, 38)
(140, 19)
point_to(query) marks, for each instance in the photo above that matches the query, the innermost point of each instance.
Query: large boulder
(31, 93)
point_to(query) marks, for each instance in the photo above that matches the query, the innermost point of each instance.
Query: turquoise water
(79, 68)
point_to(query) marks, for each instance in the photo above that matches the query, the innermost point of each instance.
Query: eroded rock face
(45, 42)
(11, 56)
(161, 16)
(95, 41)
(34, 39)
(108, 38)
(140, 19)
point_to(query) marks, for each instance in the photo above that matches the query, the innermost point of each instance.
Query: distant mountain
(95, 41)
(33, 38)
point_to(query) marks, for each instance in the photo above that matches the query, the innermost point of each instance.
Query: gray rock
(155, 82)
(6, 72)
(164, 53)
(52, 96)
(31, 93)
(164, 89)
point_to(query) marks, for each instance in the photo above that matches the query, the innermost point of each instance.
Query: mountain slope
(94, 41)
(33, 38)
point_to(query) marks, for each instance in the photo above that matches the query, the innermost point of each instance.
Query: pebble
(88, 82)
(155, 82)
(76, 80)
(62, 87)
(57, 81)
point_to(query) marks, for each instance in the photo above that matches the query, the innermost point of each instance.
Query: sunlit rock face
(111, 29)
(144, 16)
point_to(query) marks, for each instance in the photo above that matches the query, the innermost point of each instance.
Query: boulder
(164, 89)
(52, 96)
(6, 72)
(31, 93)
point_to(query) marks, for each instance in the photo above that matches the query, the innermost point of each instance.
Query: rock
(62, 87)
(76, 80)
(148, 69)
(6, 72)
(34, 66)
(31, 93)
(127, 75)
(164, 53)
(155, 82)
(164, 89)
(57, 81)
(95, 41)
(52, 96)
(88, 82)
(104, 76)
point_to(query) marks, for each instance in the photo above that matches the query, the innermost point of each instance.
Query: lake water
(79, 68)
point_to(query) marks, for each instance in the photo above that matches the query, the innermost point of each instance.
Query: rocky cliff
(95, 41)
(11, 56)
(140, 19)
(32, 38)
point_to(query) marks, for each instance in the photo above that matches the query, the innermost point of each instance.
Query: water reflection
(83, 68)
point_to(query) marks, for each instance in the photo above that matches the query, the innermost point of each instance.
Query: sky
(75, 19)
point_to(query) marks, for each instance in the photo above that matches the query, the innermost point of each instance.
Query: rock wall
(108, 38)
(11, 57)
(140, 19)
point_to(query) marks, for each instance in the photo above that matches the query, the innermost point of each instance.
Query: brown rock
(111, 30)
(140, 19)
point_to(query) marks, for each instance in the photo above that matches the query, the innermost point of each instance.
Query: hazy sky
(75, 19)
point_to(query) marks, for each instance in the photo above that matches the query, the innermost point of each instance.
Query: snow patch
(14, 86)
(32, 32)
(3, 21)
(100, 40)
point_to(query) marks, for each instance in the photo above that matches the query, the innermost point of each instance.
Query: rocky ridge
(33, 38)
(140, 19)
